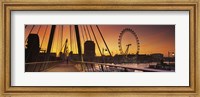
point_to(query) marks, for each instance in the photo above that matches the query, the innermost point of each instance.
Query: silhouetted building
(144, 58)
(89, 50)
(32, 48)
(132, 58)
(157, 57)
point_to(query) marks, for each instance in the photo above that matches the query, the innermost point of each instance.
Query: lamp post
(170, 55)
(103, 55)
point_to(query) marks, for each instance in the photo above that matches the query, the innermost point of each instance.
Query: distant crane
(126, 52)
(65, 53)
(66, 48)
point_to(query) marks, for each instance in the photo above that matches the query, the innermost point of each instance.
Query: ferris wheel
(128, 30)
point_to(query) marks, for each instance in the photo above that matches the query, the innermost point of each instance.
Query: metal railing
(106, 67)
(39, 66)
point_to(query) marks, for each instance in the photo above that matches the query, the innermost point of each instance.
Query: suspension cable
(29, 33)
(88, 32)
(82, 33)
(85, 32)
(96, 40)
(70, 37)
(104, 40)
(75, 41)
(44, 36)
(38, 29)
(57, 38)
(61, 34)
(53, 43)
(75, 44)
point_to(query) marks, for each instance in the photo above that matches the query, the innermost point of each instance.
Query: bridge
(60, 66)
(40, 58)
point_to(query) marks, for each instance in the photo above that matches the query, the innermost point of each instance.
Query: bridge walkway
(62, 67)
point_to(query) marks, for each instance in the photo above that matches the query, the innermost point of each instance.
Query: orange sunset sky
(152, 38)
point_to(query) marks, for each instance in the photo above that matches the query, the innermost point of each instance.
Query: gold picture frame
(120, 5)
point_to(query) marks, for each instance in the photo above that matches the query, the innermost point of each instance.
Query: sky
(152, 38)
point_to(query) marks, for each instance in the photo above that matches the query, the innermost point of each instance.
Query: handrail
(126, 67)
(42, 62)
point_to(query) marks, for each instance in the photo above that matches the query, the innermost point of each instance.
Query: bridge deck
(62, 67)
